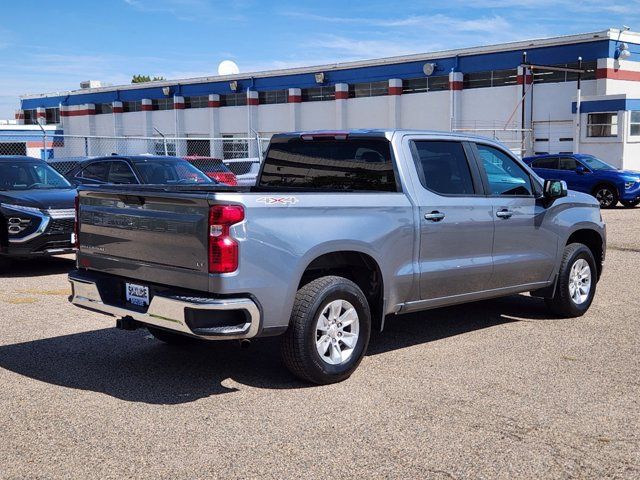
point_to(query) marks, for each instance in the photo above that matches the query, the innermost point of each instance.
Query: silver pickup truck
(342, 231)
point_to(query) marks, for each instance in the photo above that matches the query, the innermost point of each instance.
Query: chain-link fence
(241, 155)
(518, 140)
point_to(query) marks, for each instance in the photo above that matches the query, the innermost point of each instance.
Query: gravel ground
(489, 390)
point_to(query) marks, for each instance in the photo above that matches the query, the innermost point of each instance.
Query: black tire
(562, 303)
(607, 195)
(630, 203)
(299, 351)
(5, 263)
(170, 338)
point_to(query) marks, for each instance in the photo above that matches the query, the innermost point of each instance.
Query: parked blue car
(586, 173)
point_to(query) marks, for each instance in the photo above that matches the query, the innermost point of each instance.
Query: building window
(368, 89)
(53, 115)
(602, 125)
(548, 76)
(103, 108)
(233, 100)
(200, 101)
(162, 104)
(30, 117)
(318, 94)
(272, 96)
(635, 123)
(425, 84)
(476, 80)
(502, 78)
(134, 106)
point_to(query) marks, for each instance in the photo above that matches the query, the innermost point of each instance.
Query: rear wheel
(328, 331)
(630, 203)
(170, 338)
(606, 195)
(576, 284)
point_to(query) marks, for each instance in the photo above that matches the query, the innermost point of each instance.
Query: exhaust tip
(245, 343)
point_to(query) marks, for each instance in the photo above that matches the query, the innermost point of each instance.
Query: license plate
(137, 294)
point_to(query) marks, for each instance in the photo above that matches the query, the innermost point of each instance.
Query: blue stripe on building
(553, 55)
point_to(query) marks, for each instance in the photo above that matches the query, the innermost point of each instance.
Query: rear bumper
(173, 312)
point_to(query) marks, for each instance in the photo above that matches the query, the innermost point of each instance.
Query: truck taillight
(76, 223)
(223, 249)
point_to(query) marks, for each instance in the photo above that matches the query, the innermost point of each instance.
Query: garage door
(553, 137)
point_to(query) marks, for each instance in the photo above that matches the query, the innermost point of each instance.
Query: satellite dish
(227, 67)
(429, 68)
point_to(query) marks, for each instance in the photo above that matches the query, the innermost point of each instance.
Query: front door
(456, 220)
(525, 246)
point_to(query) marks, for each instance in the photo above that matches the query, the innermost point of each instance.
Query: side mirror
(580, 170)
(555, 189)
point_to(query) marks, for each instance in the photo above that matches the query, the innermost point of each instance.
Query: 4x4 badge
(277, 200)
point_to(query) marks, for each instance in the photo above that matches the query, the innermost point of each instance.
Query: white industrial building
(505, 90)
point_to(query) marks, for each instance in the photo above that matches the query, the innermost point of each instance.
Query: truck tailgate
(156, 237)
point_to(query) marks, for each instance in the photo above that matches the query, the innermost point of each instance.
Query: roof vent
(91, 84)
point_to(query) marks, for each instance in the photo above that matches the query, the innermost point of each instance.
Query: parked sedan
(36, 209)
(136, 169)
(215, 169)
(589, 174)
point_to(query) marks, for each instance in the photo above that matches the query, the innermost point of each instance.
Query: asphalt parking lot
(489, 390)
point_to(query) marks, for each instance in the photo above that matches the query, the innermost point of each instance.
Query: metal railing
(242, 155)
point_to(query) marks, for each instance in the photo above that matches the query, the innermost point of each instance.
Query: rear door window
(96, 172)
(443, 167)
(568, 163)
(354, 164)
(551, 163)
(121, 173)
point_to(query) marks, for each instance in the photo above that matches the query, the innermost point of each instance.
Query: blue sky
(51, 46)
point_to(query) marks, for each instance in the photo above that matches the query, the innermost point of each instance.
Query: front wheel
(606, 195)
(576, 285)
(328, 331)
(630, 203)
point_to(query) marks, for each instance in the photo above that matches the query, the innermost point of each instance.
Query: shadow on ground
(36, 267)
(134, 367)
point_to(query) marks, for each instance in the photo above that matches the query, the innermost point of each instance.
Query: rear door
(524, 247)
(456, 220)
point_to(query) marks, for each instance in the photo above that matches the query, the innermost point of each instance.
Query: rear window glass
(352, 164)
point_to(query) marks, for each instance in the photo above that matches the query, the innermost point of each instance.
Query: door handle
(434, 216)
(504, 213)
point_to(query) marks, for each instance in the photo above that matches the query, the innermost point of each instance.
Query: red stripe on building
(213, 103)
(395, 90)
(178, 106)
(117, 110)
(294, 99)
(147, 108)
(613, 74)
(77, 113)
(253, 101)
(341, 95)
(38, 144)
(19, 116)
(529, 79)
(455, 85)
(41, 114)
